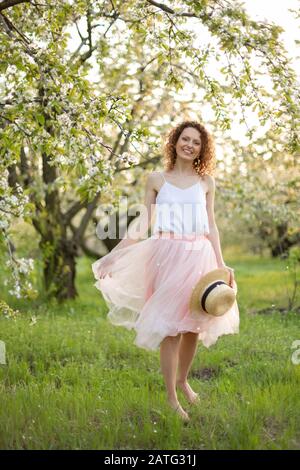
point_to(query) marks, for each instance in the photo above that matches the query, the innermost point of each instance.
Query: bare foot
(179, 410)
(191, 396)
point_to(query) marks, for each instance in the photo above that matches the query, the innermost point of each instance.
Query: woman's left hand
(231, 272)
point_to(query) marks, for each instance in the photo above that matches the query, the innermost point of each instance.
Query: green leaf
(40, 118)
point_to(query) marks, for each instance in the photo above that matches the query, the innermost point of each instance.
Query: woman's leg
(187, 350)
(169, 349)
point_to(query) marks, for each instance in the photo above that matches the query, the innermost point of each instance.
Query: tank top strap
(163, 177)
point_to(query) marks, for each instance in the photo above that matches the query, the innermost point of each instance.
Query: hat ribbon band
(208, 290)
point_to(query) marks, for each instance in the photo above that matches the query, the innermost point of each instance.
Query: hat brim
(198, 290)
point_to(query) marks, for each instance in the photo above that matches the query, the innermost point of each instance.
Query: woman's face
(188, 145)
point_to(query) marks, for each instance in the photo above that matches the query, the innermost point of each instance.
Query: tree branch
(86, 250)
(169, 10)
(161, 6)
(12, 27)
(89, 29)
(153, 160)
(77, 206)
(77, 238)
(13, 122)
(10, 3)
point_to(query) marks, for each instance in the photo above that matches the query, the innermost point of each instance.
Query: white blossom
(4, 224)
(93, 171)
(127, 158)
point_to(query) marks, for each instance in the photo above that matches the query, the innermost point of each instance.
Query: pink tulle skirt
(150, 285)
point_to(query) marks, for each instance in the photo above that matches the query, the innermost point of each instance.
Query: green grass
(74, 381)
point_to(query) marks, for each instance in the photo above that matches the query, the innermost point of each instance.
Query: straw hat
(212, 293)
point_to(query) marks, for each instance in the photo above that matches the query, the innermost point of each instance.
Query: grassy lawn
(74, 381)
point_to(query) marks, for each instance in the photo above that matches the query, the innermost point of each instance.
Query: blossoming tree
(65, 135)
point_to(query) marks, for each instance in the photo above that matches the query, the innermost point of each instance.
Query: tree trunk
(59, 267)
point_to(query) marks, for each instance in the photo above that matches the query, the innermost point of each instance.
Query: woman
(148, 285)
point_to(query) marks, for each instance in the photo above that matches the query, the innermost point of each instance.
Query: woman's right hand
(105, 268)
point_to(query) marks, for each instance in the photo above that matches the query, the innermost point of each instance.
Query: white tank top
(181, 210)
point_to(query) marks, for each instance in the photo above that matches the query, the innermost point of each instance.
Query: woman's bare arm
(213, 229)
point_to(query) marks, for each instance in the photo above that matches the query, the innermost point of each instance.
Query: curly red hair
(205, 163)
